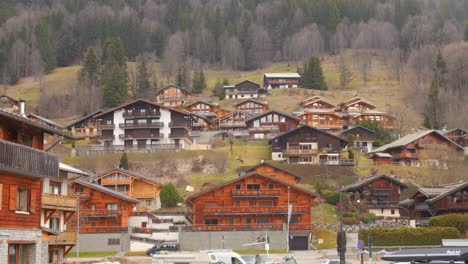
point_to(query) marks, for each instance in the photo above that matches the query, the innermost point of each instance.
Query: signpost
(360, 246)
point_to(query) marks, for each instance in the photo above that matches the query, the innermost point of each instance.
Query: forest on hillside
(36, 36)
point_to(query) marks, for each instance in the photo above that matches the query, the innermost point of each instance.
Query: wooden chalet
(363, 137)
(270, 124)
(281, 80)
(9, 104)
(316, 102)
(384, 119)
(26, 173)
(355, 105)
(378, 193)
(255, 201)
(233, 121)
(201, 123)
(85, 127)
(221, 112)
(252, 106)
(437, 200)
(132, 184)
(307, 145)
(323, 118)
(242, 90)
(274, 170)
(417, 149)
(457, 135)
(141, 125)
(102, 210)
(174, 96)
(203, 108)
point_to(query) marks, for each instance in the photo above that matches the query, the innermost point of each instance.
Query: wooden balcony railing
(105, 137)
(145, 125)
(178, 135)
(105, 126)
(233, 124)
(256, 193)
(116, 181)
(382, 192)
(140, 114)
(142, 136)
(17, 158)
(255, 210)
(458, 205)
(301, 151)
(178, 125)
(422, 207)
(248, 227)
(382, 204)
(99, 213)
(85, 132)
(65, 203)
(67, 237)
(265, 128)
(103, 229)
(171, 98)
(144, 195)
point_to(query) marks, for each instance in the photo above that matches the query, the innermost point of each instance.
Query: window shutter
(13, 193)
(33, 201)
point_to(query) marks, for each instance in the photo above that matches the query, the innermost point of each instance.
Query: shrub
(350, 221)
(169, 196)
(365, 217)
(403, 236)
(459, 221)
(331, 197)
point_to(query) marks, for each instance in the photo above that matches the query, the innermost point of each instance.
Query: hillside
(382, 88)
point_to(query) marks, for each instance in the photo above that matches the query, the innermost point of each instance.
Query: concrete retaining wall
(100, 242)
(193, 241)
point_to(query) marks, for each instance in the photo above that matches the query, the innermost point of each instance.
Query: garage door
(298, 243)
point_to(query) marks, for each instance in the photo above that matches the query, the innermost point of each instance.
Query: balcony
(458, 205)
(24, 160)
(233, 124)
(382, 204)
(63, 238)
(422, 207)
(171, 98)
(249, 227)
(301, 152)
(142, 136)
(89, 213)
(104, 229)
(178, 135)
(255, 210)
(85, 132)
(59, 202)
(265, 128)
(255, 193)
(178, 125)
(104, 150)
(116, 181)
(105, 126)
(382, 192)
(135, 114)
(144, 195)
(145, 125)
(105, 137)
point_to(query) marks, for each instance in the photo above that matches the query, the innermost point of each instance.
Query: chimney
(22, 104)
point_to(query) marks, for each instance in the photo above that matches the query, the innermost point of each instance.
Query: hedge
(404, 236)
(458, 221)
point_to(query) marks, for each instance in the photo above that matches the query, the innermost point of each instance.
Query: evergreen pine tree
(115, 88)
(181, 77)
(198, 82)
(143, 77)
(124, 164)
(432, 113)
(312, 75)
(45, 46)
(88, 78)
(169, 196)
(466, 31)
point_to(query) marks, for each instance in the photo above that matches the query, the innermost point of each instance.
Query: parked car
(288, 260)
(162, 247)
(333, 261)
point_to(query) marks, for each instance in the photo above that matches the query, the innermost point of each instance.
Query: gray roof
(84, 118)
(352, 128)
(269, 112)
(46, 120)
(32, 123)
(403, 141)
(282, 75)
(440, 192)
(369, 179)
(68, 168)
(302, 126)
(126, 172)
(107, 190)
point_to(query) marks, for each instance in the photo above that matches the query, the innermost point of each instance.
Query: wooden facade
(437, 200)
(316, 102)
(363, 137)
(418, 149)
(221, 112)
(85, 127)
(273, 170)
(457, 135)
(323, 119)
(379, 193)
(252, 106)
(203, 108)
(233, 121)
(253, 201)
(307, 145)
(242, 90)
(270, 124)
(281, 80)
(174, 96)
(102, 210)
(134, 185)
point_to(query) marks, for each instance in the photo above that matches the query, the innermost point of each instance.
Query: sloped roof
(355, 127)
(201, 101)
(403, 141)
(246, 81)
(30, 122)
(354, 100)
(68, 168)
(172, 85)
(294, 186)
(369, 179)
(9, 98)
(251, 100)
(107, 190)
(442, 191)
(274, 166)
(314, 99)
(282, 75)
(48, 121)
(303, 126)
(84, 118)
(269, 112)
(131, 173)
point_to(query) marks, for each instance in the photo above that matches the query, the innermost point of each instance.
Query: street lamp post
(78, 226)
(288, 217)
(358, 202)
(342, 236)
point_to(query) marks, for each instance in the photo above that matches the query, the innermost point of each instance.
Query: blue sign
(360, 245)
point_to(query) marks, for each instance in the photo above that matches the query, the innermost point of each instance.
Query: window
(112, 206)
(294, 220)
(270, 186)
(113, 241)
(18, 253)
(141, 121)
(393, 211)
(238, 186)
(263, 220)
(251, 203)
(237, 203)
(248, 221)
(54, 223)
(22, 200)
(55, 187)
(253, 186)
(93, 207)
(211, 221)
(275, 118)
(231, 220)
(265, 203)
(148, 202)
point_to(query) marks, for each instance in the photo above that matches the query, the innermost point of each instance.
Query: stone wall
(386, 223)
(29, 235)
(99, 242)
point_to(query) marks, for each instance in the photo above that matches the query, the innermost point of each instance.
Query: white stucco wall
(118, 119)
(166, 130)
(277, 156)
(386, 212)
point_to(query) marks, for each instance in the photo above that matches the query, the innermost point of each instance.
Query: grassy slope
(381, 89)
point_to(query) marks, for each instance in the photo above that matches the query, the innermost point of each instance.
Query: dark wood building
(281, 80)
(420, 149)
(253, 201)
(307, 145)
(437, 200)
(243, 90)
(233, 121)
(203, 108)
(457, 135)
(174, 96)
(270, 124)
(85, 127)
(252, 106)
(378, 193)
(363, 137)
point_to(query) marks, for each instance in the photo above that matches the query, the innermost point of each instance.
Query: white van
(202, 257)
